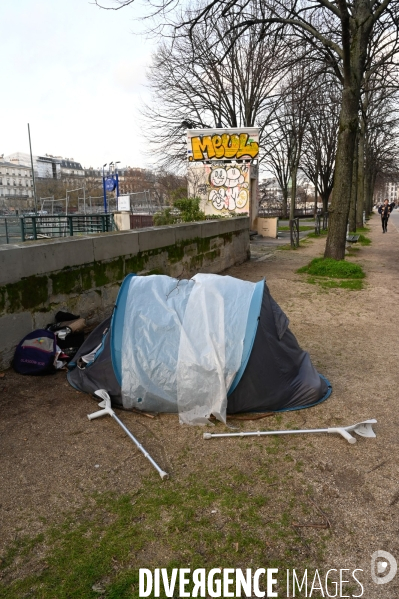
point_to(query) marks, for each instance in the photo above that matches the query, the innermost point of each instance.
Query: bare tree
(320, 143)
(203, 80)
(277, 147)
(341, 31)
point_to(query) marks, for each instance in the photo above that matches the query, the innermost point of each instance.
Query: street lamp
(104, 190)
(117, 182)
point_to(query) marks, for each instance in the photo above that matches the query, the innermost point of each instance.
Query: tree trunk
(369, 179)
(325, 198)
(355, 35)
(360, 177)
(339, 210)
(316, 177)
(285, 203)
(293, 191)
(352, 209)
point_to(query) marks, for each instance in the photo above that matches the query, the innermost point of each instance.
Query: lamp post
(33, 172)
(117, 182)
(104, 190)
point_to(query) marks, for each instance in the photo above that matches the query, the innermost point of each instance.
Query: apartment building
(16, 186)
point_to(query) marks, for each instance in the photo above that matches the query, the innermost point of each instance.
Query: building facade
(45, 167)
(16, 187)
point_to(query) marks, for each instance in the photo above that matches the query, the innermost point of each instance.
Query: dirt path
(52, 456)
(352, 338)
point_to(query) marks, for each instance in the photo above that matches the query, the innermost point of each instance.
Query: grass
(323, 233)
(337, 269)
(352, 284)
(329, 273)
(363, 240)
(303, 228)
(211, 519)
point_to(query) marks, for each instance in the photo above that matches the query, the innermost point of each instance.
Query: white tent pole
(106, 405)
(364, 429)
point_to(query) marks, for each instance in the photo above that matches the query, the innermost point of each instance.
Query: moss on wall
(26, 294)
(65, 282)
(35, 293)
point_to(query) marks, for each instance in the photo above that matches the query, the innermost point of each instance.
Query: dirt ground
(52, 455)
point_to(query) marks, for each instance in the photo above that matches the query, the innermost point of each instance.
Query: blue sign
(110, 184)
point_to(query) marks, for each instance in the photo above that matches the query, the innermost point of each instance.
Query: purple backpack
(36, 353)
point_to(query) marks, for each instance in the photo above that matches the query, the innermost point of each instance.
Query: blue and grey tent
(209, 345)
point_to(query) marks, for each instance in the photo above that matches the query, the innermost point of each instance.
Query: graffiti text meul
(223, 146)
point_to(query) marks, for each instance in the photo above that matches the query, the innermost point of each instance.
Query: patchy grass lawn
(323, 233)
(211, 519)
(329, 273)
(301, 228)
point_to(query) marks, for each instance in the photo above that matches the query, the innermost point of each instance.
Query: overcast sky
(76, 74)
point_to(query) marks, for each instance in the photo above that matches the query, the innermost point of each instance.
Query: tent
(209, 345)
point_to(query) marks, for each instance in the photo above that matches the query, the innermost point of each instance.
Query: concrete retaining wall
(83, 275)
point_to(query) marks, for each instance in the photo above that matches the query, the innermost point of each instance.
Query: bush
(189, 209)
(185, 210)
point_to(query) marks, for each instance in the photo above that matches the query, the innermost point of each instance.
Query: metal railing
(49, 227)
(301, 212)
(10, 229)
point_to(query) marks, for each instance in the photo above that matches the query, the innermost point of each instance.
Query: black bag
(67, 339)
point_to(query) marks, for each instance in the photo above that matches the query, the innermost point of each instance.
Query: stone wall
(83, 275)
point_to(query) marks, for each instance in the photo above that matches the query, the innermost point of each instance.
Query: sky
(77, 75)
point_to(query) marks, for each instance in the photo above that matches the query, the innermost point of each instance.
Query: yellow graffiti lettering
(200, 145)
(245, 149)
(231, 144)
(223, 146)
(218, 146)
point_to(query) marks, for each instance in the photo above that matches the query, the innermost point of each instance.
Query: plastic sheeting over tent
(209, 345)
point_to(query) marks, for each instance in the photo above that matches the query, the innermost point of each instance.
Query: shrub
(184, 210)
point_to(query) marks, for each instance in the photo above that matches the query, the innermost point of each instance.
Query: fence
(48, 227)
(139, 221)
(10, 229)
(299, 212)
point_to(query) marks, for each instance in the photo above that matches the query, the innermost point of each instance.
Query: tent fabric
(185, 346)
(211, 346)
(144, 360)
(279, 374)
(100, 373)
(154, 313)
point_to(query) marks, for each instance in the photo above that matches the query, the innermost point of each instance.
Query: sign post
(109, 184)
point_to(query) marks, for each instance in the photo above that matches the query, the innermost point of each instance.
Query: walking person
(385, 211)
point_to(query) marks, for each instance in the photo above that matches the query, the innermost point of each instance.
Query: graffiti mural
(223, 187)
(220, 167)
(212, 144)
(229, 187)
